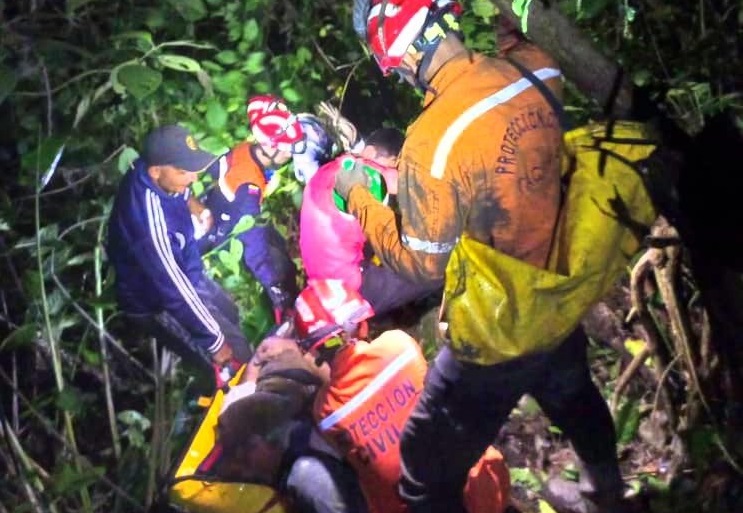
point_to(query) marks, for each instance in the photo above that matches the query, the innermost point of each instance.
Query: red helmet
(324, 309)
(273, 124)
(394, 25)
(259, 105)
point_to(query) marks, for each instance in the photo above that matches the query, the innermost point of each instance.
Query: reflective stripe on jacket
(483, 158)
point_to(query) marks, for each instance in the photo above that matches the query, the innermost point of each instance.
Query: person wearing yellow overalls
(481, 166)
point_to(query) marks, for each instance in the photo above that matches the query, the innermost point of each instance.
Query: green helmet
(377, 185)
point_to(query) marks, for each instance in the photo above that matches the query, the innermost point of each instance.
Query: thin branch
(33, 464)
(662, 380)
(49, 429)
(348, 79)
(656, 49)
(115, 343)
(48, 95)
(323, 54)
(665, 269)
(80, 180)
(103, 343)
(48, 91)
(35, 94)
(67, 187)
(705, 343)
(156, 428)
(15, 409)
(636, 364)
(54, 346)
(190, 44)
(80, 224)
(638, 277)
(31, 488)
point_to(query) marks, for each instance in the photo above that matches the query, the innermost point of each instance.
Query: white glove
(346, 131)
(202, 224)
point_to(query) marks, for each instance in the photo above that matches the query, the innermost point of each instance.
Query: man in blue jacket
(160, 280)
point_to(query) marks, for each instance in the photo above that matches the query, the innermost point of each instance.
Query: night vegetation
(92, 415)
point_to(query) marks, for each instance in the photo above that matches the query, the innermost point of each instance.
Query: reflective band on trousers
(465, 119)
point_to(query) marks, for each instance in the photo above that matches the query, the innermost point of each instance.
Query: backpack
(498, 307)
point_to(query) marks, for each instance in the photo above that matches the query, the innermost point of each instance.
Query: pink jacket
(330, 241)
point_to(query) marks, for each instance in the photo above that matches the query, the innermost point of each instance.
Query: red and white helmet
(324, 309)
(394, 25)
(273, 124)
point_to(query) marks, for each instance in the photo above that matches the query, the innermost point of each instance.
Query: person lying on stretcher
(267, 435)
(360, 408)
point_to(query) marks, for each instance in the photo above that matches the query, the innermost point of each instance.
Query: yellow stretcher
(193, 490)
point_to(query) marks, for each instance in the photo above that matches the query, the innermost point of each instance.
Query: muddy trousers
(463, 406)
(386, 290)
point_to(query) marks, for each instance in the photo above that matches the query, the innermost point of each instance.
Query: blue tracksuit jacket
(152, 248)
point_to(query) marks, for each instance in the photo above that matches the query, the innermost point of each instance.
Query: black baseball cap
(173, 145)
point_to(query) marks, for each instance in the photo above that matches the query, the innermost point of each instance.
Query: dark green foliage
(82, 82)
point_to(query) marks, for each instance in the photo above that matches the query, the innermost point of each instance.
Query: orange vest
(373, 389)
(239, 168)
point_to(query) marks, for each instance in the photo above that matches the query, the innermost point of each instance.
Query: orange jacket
(362, 411)
(372, 391)
(483, 158)
(241, 168)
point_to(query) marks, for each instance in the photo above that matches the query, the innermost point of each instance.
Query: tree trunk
(593, 73)
(706, 211)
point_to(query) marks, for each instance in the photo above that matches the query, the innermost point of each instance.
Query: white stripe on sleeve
(441, 155)
(159, 234)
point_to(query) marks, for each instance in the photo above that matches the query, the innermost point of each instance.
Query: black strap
(313, 338)
(614, 93)
(556, 105)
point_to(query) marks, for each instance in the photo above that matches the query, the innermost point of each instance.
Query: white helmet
(319, 147)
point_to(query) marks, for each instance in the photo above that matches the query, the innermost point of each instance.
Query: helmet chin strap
(417, 78)
(440, 25)
(420, 74)
(271, 157)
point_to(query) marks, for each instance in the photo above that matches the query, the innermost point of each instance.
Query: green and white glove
(345, 180)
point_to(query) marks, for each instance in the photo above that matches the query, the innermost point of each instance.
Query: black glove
(346, 180)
